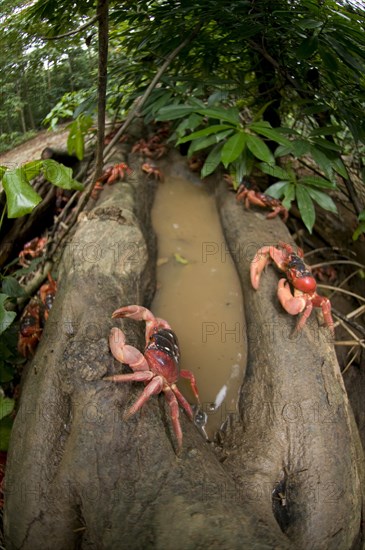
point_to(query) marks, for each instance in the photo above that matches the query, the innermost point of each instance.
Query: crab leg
(183, 402)
(139, 376)
(174, 409)
(153, 388)
(190, 376)
(325, 304)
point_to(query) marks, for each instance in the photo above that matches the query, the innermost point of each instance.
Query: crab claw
(140, 313)
(125, 353)
(292, 304)
(258, 264)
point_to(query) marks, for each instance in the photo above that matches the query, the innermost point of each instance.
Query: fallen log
(295, 437)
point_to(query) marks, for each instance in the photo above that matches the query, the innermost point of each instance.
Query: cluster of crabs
(36, 313)
(152, 148)
(158, 366)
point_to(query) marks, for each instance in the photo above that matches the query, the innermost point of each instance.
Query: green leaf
(259, 149)
(3, 169)
(276, 190)
(21, 197)
(212, 160)
(283, 151)
(275, 171)
(344, 54)
(12, 288)
(306, 208)
(6, 373)
(339, 167)
(76, 138)
(180, 259)
(358, 231)
(6, 317)
(6, 406)
(231, 115)
(324, 200)
(289, 195)
(6, 425)
(204, 142)
(317, 181)
(233, 148)
(172, 112)
(300, 147)
(309, 23)
(32, 169)
(270, 133)
(361, 216)
(321, 159)
(331, 149)
(325, 131)
(328, 59)
(308, 47)
(214, 129)
(60, 175)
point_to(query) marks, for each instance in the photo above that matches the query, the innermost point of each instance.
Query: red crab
(152, 170)
(158, 367)
(33, 249)
(47, 293)
(111, 175)
(249, 196)
(153, 148)
(299, 275)
(30, 328)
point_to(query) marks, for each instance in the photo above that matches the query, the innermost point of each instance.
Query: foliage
(70, 104)
(361, 227)
(21, 198)
(238, 146)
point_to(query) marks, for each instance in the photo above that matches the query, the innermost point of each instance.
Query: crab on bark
(152, 170)
(110, 176)
(157, 367)
(33, 249)
(305, 295)
(250, 196)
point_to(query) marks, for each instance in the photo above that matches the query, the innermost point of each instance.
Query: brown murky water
(198, 292)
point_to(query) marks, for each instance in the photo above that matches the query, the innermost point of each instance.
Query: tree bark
(295, 434)
(288, 471)
(78, 475)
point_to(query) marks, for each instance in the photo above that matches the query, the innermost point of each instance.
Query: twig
(35, 283)
(70, 33)
(347, 343)
(352, 323)
(336, 262)
(330, 287)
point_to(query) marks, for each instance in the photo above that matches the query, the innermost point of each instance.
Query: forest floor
(32, 149)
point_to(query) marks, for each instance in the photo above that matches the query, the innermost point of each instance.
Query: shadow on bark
(289, 471)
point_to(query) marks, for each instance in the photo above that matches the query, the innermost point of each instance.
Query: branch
(102, 15)
(70, 33)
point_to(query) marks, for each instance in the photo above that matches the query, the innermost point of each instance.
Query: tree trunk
(295, 433)
(79, 476)
(288, 471)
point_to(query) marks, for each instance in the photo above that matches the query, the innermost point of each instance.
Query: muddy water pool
(198, 292)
